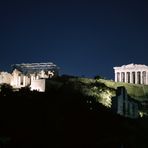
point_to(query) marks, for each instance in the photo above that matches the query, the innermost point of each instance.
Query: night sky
(84, 38)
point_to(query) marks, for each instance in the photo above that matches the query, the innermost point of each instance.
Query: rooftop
(132, 65)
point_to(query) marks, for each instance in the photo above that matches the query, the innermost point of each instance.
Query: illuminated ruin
(30, 74)
(132, 73)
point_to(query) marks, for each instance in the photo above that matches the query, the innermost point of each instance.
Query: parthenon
(132, 73)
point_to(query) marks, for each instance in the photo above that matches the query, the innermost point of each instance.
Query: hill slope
(62, 117)
(88, 86)
(136, 91)
(68, 115)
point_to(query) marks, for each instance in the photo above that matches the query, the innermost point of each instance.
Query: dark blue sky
(81, 37)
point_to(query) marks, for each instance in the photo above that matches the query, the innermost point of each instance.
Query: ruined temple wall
(18, 79)
(124, 105)
(5, 77)
(38, 85)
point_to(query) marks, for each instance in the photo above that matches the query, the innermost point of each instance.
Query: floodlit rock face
(106, 98)
(103, 96)
(30, 74)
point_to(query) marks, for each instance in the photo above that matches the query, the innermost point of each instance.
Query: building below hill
(132, 73)
(124, 105)
(30, 74)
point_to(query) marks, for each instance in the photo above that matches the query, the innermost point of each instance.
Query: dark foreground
(65, 119)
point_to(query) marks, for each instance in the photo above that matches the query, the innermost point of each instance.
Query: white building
(132, 73)
(30, 74)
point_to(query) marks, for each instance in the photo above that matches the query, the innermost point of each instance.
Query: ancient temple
(29, 74)
(132, 73)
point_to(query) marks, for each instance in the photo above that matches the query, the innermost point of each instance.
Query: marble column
(31, 77)
(116, 77)
(125, 77)
(119, 76)
(146, 77)
(19, 81)
(15, 80)
(141, 77)
(121, 73)
(24, 81)
(135, 77)
(131, 79)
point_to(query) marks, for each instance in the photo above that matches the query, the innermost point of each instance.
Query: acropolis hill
(35, 75)
(107, 93)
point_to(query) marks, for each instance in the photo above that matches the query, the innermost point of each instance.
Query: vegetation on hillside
(88, 87)
(136, 91)
(69, 114)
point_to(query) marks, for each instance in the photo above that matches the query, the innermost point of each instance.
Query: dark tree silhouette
(6, 89)
(25, 89)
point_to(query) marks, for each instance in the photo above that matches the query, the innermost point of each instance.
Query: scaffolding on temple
(28, 68)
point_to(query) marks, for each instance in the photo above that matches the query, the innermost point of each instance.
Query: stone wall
(38, 85)
(124, 105)
(5, 77)
(35, 80)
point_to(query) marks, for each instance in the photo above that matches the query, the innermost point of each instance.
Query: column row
(136, 77)
(21, 81)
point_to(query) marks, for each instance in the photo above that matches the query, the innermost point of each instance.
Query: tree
(6, 89)
(25, 90)
(97, 77)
